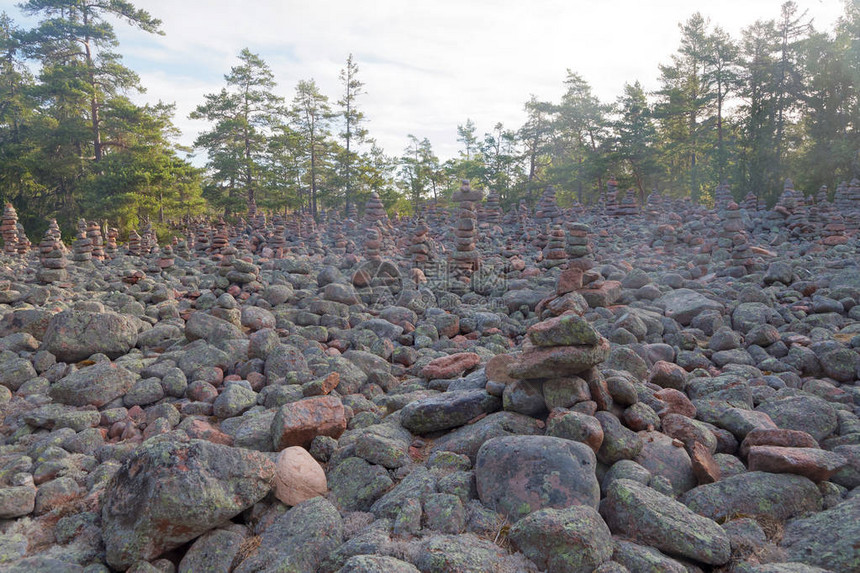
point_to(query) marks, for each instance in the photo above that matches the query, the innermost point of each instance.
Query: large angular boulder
(684, 305)
(646, 516)
(168, 492)
(94, 385)
(572, 540)
(517, 475)
(447, 410)
(298, 541)
(779, 496)
(298, 423)
(74, 335)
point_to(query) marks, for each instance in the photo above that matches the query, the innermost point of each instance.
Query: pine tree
(244, 114)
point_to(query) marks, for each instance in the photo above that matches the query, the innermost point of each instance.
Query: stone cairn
(23, 242)
(665, 236)
(722, 197)
(351, 211)
(852, 206)
(821, 196)
(741, 254)
(577, 247)
(750, 203)
(82, 249)
(220, 239)
(133, 243)
(420, 250)
(94, 234)
(148, 240)
(834, 231)
(9, 230)
(53, 260)
(466, 259)
(374, 210)
(547, 211)
(278, 241)
(610, 206)
(629, 205)
(556, 369)
(798, 222)
(493, 208)
(165, 258)
(554, 254)
(372, 244)
(181, 250)
(201, 240)
(110, 245)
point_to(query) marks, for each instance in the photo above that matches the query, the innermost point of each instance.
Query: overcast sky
(427, 65)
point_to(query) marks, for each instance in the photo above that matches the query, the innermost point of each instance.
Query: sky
(427, 66)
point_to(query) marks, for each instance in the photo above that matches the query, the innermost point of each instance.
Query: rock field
(623, 388)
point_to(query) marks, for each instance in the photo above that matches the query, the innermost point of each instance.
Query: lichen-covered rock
(466, 554)
(447, 410)
(74, 335)
(517, 475)
(167, 493)
(810, 414)
(556, 361)
(356, 484)
(298, 541)
(214, 551)
(648, 517)
(779, 496)
(569, 540)
(376, 564)
(827, 539)
(95, 385)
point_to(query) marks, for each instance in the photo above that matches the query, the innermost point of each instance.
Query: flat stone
(815, 464)
(646, 516)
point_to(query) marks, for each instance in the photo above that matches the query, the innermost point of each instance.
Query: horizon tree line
(782, 100)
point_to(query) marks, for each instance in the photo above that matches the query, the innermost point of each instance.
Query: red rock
(558, 361)
(705, 468)
(667, 375)
(497, 368)
(256, 380)
(205, 431)
(604, 295)
(676, 403)
(450, 366)
(570, 280)
(598, 389)
(776, 437)
(817, 465)
(298, 423)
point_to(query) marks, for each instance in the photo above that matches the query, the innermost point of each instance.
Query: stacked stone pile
(420, 249)
(374, 210)
(493, 208)
(547, 211)
(554, 253)
(610, 199)
(94, 234)
(465, 258)
(9, 230)
(134, 244)
(556, 368)
(111, 248)
(82, 249)
(629, 205)
(52, 258)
